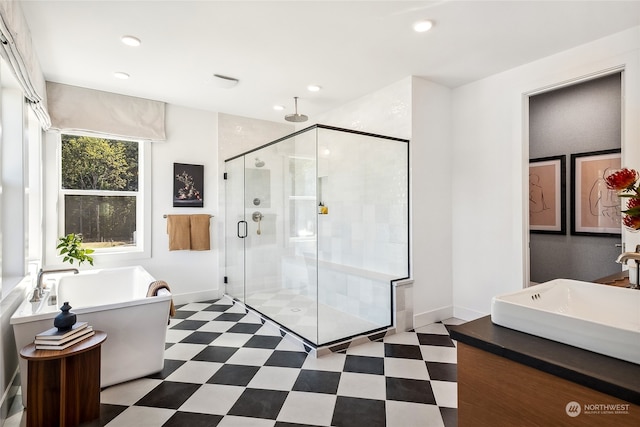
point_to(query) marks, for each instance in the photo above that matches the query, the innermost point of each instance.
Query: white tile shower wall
(385, 112)
(362, 297)
(366, 193)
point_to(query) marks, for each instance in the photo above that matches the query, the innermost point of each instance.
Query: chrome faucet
(626, 256)
(39, 289)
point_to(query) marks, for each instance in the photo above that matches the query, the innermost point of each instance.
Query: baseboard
(467, 314)
(186, 298)
(9, 396)
(433, 316)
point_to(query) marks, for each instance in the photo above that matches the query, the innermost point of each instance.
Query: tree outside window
(99, 179)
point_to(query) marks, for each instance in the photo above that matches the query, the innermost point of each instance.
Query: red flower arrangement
(624, 182)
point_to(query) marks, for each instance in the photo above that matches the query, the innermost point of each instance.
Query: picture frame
(595, 210)
(547, 195)
(188, 185)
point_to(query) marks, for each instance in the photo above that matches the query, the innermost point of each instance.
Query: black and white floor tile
(224, 367)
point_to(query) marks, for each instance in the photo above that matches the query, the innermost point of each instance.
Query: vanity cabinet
(506, 377)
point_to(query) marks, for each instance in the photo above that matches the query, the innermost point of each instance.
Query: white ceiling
(277, 48)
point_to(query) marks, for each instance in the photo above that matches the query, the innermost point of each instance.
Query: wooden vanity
(619, 279)
(509, 378)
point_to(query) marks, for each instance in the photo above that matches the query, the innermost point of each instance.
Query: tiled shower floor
(317, 322)
(223, 367)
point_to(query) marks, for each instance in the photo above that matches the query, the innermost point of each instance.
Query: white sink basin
(600, 318)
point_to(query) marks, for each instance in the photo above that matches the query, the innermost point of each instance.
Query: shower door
(253, 228)
(271, 232)
(235, 229)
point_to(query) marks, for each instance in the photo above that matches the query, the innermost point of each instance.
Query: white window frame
(56, 206)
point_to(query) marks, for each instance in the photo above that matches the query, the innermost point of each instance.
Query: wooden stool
(63, 387)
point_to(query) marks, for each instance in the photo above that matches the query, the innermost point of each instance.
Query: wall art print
(595, 210)
(547, 195)
(188, 183)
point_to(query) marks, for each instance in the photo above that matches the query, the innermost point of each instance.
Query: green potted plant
(71, 247)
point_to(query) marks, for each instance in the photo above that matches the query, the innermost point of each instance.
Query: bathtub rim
(50, 311)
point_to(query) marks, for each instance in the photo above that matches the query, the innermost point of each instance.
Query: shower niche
(317, 230)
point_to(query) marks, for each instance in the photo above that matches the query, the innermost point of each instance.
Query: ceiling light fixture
(121, 75)
(422, 26)
(224, 82)
(130, 41)
(313, 88)
(278, 107)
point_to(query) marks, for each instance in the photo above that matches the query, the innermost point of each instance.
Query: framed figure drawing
(188, 183)
(595, 210)
(547, 195)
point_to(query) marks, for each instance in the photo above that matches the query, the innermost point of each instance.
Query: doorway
(574, 123)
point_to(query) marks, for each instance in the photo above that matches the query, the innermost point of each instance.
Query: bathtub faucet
(39, 289)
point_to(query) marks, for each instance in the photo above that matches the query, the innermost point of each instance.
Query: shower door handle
(242, 236)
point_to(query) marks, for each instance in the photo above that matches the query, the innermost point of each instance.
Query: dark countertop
(606, 374)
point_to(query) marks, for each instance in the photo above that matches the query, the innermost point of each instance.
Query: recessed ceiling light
(130, 40)
(121, 75)
(313, 88)
(278, 107)
(422, 26)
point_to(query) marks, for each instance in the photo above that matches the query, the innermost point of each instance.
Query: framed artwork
(595, 210)
(547, 195)
(188, 183)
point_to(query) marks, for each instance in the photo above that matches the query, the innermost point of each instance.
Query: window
(101, 193)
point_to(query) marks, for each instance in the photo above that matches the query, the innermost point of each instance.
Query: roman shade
(17, 50)
(90, 111)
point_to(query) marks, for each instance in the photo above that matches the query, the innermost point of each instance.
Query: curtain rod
(165, 215)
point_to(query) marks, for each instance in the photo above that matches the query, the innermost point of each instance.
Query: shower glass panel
(235, 228)
(363, 236)
(317, 229)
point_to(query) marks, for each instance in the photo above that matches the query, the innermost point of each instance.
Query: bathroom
(464, 143)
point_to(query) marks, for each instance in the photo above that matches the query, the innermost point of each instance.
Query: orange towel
(200, 240)
(154, 287)
(178, 228)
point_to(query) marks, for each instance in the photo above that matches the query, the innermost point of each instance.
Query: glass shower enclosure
(317, 229)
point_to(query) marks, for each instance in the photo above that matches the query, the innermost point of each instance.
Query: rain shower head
(297, 118)
(259, 163)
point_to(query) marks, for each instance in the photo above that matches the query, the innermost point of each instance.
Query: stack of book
(53, 339)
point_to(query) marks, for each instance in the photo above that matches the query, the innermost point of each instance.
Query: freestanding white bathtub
(111, 300)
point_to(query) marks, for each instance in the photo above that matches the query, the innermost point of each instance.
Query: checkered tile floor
(223, 367)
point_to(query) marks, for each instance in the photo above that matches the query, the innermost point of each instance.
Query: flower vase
(66, 319)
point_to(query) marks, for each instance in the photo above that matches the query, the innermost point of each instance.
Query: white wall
(431, 198)
(385, 112)
(192, 139)
(490, 157)
(192, 275)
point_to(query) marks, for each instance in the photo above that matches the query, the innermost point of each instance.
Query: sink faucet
(39, 289)
(624, 257)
